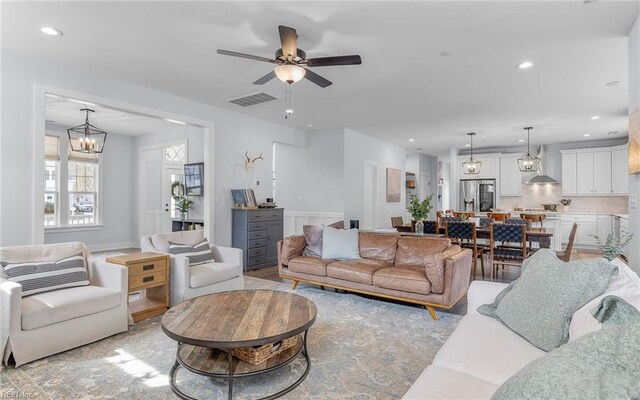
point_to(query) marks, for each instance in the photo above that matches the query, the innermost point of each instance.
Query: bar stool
(499, 216)
(459, 214)
(534, 218)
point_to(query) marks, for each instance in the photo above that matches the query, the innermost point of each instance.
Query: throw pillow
(340, 244)
(337, 224)
(198, 254)
(538, 306)
(313, 238)
(37, 277)
(292, 246)
(600, 365)
(434, 267)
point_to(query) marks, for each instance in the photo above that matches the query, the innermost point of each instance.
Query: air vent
(253, 99)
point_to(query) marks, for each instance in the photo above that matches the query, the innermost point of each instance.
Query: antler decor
(250, 161)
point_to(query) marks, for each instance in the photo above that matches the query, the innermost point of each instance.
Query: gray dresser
(257, 233)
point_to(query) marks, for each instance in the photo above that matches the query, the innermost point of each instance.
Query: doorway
(370, 196)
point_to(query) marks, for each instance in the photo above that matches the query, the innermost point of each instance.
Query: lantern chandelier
(528, 163)
(87, 138)
(471, 166)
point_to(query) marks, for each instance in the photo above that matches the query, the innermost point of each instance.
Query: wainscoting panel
(295, 220)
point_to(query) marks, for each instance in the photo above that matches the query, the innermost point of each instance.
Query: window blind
(51, 148)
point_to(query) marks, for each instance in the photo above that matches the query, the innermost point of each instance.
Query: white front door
(370, 197)
(170, 174)
(150, 190)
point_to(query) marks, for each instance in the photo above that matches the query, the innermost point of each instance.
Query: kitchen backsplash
(533, 196)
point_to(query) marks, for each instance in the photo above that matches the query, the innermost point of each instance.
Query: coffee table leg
(230, 359)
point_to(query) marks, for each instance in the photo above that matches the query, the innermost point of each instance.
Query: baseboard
(113, 246)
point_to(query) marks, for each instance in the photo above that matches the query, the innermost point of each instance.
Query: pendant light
(471, 166)
(528, 163)
(87, 138)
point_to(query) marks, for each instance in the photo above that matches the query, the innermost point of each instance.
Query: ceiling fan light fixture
(289, 73)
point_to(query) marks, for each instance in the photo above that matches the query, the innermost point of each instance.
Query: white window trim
(74, 228)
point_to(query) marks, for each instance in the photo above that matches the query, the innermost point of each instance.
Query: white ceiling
(404, 89)
(65, 112)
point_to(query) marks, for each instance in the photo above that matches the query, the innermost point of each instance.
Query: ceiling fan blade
(265, 78)
(243, 55)
(317, 79)
(289, 41)
(337, 60)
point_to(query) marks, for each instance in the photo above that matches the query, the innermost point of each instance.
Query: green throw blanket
(600, 365)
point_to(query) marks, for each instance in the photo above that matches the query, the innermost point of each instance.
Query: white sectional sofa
(482, 353)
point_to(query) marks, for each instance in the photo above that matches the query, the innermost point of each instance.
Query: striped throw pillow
(37, 277)
(199, 254)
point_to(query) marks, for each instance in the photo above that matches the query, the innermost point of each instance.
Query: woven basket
(259, 354)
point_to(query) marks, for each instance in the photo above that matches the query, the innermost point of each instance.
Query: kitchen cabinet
(587, 227)
(594, 172)
(489, 169)
(510, 181)
(619, 171)
(605, 226)
(569, 174)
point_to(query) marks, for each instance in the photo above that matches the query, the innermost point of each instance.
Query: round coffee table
(207, 325)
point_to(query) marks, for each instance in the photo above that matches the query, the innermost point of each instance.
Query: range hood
(541, 177)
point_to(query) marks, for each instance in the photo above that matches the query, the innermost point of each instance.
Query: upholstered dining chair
(518, 221)
(565, 255)
(499, 216)
(513, 254)
(486, 221)
(396, 222)
(464, 233)
(431, 227)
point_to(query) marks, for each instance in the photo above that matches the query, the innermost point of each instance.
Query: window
(81, 186)
(176, 153)
(51, 169)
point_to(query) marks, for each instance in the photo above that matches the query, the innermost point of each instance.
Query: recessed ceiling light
(412, 140)
(175, 121)
(309, 126)
(595, 117)
(525, 65)
(520, 140)
(51, 31)
(612, 133)
(467, 145)
(613, 83)
(586, 135)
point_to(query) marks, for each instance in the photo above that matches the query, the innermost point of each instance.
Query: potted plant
(566, 203)
(419, 211)
(183, 205)
(612, 246)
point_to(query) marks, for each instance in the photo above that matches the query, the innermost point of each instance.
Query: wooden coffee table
(244, 318)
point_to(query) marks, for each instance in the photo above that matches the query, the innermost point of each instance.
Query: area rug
(360, 348)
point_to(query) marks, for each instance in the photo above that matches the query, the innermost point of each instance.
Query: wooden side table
(148, 271)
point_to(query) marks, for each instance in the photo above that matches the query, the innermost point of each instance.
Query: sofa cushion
(292, 246)
(413, 250)
(485, 348)
(435, 265)
(340, 244)
(313, 238)
(199, 253)
(161, 240)
(406, 278)
(309, 265)
(210, 273)
(42, 253)
(359, 271)
(625, 285)
(439, 383)
(544, 320)
(48, 308)
(378, 246)
(38, 277)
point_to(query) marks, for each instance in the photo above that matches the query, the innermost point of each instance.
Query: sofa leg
(294, 284)
(432, 311)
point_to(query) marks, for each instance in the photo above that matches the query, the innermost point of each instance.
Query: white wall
(358, 148)
(118, 208)
(634, 180)
(234, 133)
(313, 174)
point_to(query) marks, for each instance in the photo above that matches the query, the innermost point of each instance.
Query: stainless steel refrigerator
(477, 195)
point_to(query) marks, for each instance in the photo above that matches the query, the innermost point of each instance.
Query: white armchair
(188, 282)
(47, 323)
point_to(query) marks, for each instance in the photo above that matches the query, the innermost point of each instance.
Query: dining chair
(459, 214)
(507, 255)
(431, 227)
(499, 216)
(565, 255)
(518, 221)
(464, 234)
(534, 218)
(396, 222)
(486, 221)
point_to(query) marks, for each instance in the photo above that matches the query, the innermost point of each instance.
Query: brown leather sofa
(423, 270)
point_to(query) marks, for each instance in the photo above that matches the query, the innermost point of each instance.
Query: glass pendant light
(471, 166)
(87, 138)
(528, 163)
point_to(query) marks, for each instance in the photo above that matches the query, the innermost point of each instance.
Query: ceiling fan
(292, 63)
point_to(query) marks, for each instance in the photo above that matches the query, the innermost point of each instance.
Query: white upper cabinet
(589, 172)
(510, 180)
(488, 170)
(620, 171)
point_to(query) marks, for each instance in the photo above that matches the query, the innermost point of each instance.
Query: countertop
(558, 213)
